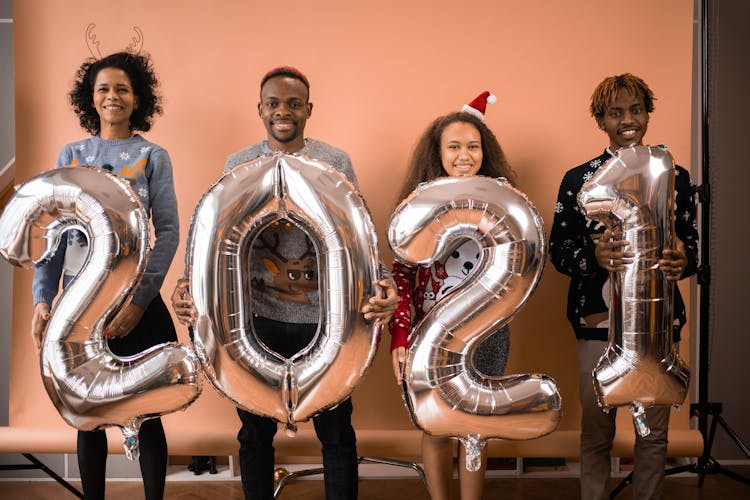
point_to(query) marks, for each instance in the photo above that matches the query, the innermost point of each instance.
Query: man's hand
(673, 261)
(39, 323)
(380, 307)
(611, 254)
(183, 305)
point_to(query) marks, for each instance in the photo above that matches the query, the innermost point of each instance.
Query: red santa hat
(478, 105)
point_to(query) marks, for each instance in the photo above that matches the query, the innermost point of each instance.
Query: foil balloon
(443, 391)
(89, 386)
(633, 194)
(232, 213)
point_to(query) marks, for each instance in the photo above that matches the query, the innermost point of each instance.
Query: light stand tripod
(703, 408)
(705, 464)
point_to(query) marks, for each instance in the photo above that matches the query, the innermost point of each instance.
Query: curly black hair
(142, 77)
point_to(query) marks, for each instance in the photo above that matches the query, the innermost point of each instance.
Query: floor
(716, 486)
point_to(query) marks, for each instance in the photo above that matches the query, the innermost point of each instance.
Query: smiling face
(461, 149)
(284, 109)
(625, 120)
(114, 101)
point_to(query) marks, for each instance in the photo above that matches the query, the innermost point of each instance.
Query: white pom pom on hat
(478, 105)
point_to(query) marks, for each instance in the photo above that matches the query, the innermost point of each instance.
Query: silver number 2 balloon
(633, 194)
(443, 391)
(229, 217)
(89, 386)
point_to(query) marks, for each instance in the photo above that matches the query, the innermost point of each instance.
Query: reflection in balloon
(89, 386)
(443, 391)
(633, 194)
(229, 217)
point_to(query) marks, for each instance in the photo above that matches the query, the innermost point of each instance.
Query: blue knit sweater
(148, 169)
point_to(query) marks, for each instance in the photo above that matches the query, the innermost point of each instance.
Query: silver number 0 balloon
(89, 386)
(445, 394)
(232, 213)
(633, 194)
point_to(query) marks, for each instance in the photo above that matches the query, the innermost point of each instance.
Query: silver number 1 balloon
(89, 386)
(633, 194)
(232, 213)
(444, 393)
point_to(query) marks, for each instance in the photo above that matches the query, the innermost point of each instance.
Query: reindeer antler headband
(135, 46)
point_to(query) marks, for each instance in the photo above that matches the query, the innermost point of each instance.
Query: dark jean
(333, 428)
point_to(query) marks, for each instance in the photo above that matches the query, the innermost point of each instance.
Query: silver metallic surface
(232, 213)
(89, 386)
(633, 194)
(443, 391)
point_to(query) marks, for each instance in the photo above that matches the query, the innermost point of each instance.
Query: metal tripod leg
(378, 460)
(37, 464)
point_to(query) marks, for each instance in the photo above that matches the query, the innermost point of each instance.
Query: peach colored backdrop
(380, 72)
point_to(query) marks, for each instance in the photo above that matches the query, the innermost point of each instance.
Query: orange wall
(380, 71)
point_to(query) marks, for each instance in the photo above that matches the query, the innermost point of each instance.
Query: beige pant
(598, 431)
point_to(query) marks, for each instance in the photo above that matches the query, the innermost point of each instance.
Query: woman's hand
(673, 261)
(183, 305)
(611, 254)
(380, 307)
(39, 323)
(125, 321)
(398, 356)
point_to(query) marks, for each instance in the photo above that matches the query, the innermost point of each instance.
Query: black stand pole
(705, 464)
(705, 409)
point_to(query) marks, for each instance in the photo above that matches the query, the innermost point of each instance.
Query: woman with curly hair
(459, 144)
(114, 97)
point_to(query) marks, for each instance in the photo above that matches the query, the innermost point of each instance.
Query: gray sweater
(283, 262)
(148, 169)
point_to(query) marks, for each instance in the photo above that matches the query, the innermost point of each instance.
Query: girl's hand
(398, 356)
(673, 262)
(381, 305)
(125, 321)
(611, 254)
(39, 323)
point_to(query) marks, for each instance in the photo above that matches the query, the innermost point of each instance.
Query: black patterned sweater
(573, 239)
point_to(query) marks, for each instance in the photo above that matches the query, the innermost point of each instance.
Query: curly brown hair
(611, 86)
(142, 77)
(426, 164)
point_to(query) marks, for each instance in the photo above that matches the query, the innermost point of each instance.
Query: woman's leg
(153, 458)
(437, 455)
(92, 462)
(471, 483)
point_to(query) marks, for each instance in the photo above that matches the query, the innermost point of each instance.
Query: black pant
(333, 428)
(155, 327)
(92, 460)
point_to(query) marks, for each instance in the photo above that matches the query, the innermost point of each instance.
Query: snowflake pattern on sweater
(573, 239)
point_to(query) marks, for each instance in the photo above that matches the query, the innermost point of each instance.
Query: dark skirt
(491, 356)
